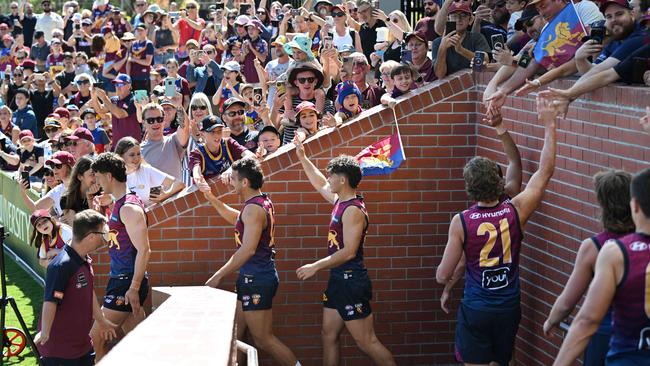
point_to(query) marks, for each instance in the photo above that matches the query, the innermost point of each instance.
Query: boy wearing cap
(216, 154)
(54, 61)
(31, 156)
(349, 100)
(100, 137)
(454, 51)
(269, 139)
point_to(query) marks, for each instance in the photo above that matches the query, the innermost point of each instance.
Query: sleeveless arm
(254, 219)
(354, 222)
(527, 201)
(453, 252)
(135, 222)
(609, 269)
(577, 285)
(316, 178)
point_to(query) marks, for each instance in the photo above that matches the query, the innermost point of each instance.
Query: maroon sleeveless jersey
(631, 303)
(492, 242)
(335, 239)
(262, 261)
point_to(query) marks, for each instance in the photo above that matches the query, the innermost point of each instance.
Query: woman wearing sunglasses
(61, 164)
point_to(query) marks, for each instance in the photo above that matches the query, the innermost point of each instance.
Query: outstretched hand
(645, 120)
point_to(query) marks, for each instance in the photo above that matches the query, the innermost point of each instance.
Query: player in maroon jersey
(613, 194)
(489, 235)
(258, 279)
(512, 187)
(622, 279)
(346, 301)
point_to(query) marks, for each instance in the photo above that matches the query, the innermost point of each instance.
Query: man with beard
(427, 23)
(492, 19)
(276, 67)
(627, 37)
(234, 116)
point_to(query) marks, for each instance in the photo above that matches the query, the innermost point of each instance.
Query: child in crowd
(515, 8)
(232, 81)
(49, 236)
(102, 142)
(349, 100)
(309, 119)
(402, 77)
(216, 154)
(32, 157)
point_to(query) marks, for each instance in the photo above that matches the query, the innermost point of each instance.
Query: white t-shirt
(66, 235)
(274, 68)
(143, 179)
(55, 195)
(345, 39)
(47, 23)
(511, 23)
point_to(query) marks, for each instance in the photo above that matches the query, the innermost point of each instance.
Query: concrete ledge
(193, 325)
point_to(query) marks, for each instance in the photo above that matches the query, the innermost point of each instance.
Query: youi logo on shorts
(644, 339)
(494, 279)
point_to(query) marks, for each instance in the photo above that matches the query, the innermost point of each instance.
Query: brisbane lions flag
(382, 157)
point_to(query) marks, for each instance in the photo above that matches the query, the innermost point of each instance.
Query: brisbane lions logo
(237, 238)
(112, 240)
(332, 241)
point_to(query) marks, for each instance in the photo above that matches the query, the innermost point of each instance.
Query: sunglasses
(309, 80)
(232, 18)
(201, 107)
(395, 20)
(56, 166)
(338, 14)
(152, 120)
(48, 173)
(83, 82)
(190, 7)
(70, 143)
(235, 113)
(18, 75)
(51, 129)
(209, 52)
(261, 12)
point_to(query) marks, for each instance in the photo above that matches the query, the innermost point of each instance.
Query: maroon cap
(61, 157)
(459, 6)
(28, 64)
(39, 214)
(62, 112)
(25, 133)
(621, 3)
(83, 134)
(420, 34)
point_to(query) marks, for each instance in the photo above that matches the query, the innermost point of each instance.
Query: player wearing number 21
(622, 279)
(489, 234)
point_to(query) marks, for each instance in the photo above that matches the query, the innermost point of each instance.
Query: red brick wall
(410, 212)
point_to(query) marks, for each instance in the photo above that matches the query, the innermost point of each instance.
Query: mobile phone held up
(498, 41)
(24, 176)
(170, 87)
(258, 96)
(478, 62)
(450, 27)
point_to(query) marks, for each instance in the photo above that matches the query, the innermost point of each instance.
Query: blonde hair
(403, 23)
(387, 66)
(199, 99)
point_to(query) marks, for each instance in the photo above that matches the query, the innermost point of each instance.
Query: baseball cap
(270, 129)
(209, 123)
(83, 134)
(39, 214)
(128, 36)
(232, 101)
(89, 111)
(242, 20)
(25, 133)
(122, 79)
(166, 101)
(280, 41)
(62, 112)
(347, 48)
(529, 13)
(460, 6)
(51, 122)
(420, 34)
(621, 3)
(306, 106)
(232, 66)
(255, 23)
(61, 157)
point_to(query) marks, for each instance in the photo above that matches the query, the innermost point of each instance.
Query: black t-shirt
(42, 102)
(631, 70)
(9, 148)
(11, 94)
(83, 45)
(65, 78)
(29, 24)
(247, 139)
(368, 37)
(30, 158)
